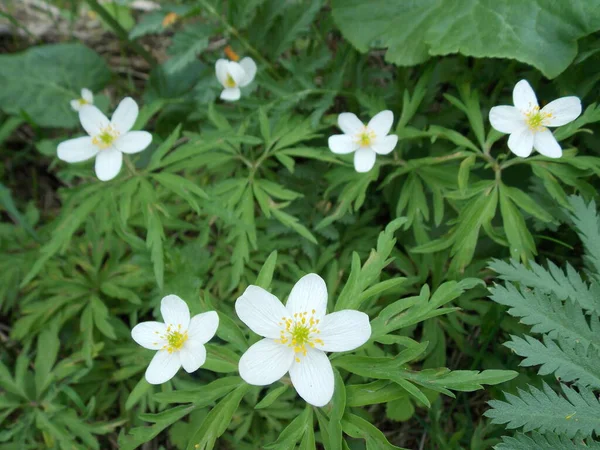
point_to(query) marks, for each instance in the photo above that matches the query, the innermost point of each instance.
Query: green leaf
(520, 240)
(548, 441)
(42, 81)
(293, 432)
(337, 413)
(359, 428)
(271, 396)
(8, 204)
(293, 223)
(542, 33)
(266, 272)
(162, 150)
(217, 420)
(186, 45)
(140, 389)
(203, 395)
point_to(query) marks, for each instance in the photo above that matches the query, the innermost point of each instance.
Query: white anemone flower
(296, 337)
(179, 341)
(87, 98)
(366, 140)
(107, 140)
(527, 123)
(234, 75)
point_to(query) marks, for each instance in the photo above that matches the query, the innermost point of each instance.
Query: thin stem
(121, 32)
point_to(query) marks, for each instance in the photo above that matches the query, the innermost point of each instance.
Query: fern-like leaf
(588, 227)
(545, 442)
(545, 313)
(567, 361)
(546, 411)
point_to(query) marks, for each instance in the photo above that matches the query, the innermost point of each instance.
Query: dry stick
(121, 33)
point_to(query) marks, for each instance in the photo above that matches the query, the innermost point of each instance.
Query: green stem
(121, 32)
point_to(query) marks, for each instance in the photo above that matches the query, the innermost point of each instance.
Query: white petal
(163, 367)
(133, 142)
(506, 119)
(221, 70)
(125, 115)
(150, 335)
(310, 292)
(563, 110)
(545, 143)
(108, 164)
(344, 330)
(175, 312)
(192, 355)
(521, 142)
(265, 362)
(92, 120)
(236, 71)
(364, 159)
(76, 150)
(313, 377)
(203, 327)
(249, 67)
(523, 96)
(349, 123)
(75, 105)
(231, 94)
(381, 123)
(261, 311)
(342, 144)
(87, 95)
(385, 145)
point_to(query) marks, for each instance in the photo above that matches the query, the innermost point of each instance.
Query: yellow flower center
(299, 332)
(175, 338)
(106, 137)
(365, 137)
(83, 101)
(230, 82)
(535, 118)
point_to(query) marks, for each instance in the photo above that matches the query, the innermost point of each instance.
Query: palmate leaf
(542, 33)
(43, 80)
(569, 361)
(544, 410)
(545, 313)
(548, 441)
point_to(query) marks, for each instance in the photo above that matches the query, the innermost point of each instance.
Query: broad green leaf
(542, 33)
(41, 82)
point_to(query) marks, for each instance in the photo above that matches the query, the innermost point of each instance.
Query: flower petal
(344, 330)
(87, 95)
(75, 105)
(76, 150)
(163, 367)
(310, 292)
(506, 119)
(381, 123)
(133, 142)
(523, 96)
(203, 327)
(342, 144)
(149, 335)
(108, 164)
(385, 145)
(221, 70)
(349, 123)
(521, 142)
(92, 120)
(545, 143)
(249, 67)
(364, 159)
(265, 362)
(125, 115)
(236, 71)
(563, 110)
(261, 311)
(313, 377)
(192, 355)
(231, 94)
(175, 311)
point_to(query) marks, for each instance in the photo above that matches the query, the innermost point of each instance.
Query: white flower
(297, 336)
(179, 341)
(107, 140)
(87, 98)
(526, 122)
(367, 141)
(233, 75)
